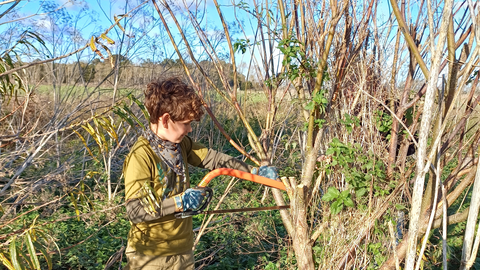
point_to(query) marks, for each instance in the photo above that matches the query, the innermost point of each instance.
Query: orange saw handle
(243, 175)
(230, 172)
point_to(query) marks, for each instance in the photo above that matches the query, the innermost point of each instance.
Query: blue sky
(92, 17)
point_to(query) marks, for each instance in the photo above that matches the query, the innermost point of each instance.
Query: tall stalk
(423, 135)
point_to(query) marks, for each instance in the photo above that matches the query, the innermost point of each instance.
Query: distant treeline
(130, 74)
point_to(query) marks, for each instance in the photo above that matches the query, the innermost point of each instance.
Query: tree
(88, 71)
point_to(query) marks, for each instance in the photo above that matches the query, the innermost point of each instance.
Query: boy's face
(176, 130)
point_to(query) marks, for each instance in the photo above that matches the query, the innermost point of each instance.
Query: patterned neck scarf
(170, 153)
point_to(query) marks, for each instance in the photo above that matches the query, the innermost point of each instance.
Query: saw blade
(239, 210)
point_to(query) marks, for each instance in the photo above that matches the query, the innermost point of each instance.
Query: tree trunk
(472, 221)
(300, 237)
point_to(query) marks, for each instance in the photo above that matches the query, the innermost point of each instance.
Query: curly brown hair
(174, 97)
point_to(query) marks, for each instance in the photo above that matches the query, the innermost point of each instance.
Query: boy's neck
(157, 129)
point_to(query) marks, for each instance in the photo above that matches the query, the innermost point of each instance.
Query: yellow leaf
(109, 126)
(92, 44)
(103, 145)
(109, 40)
(117, 20)
(92, 133)
(74, 202)
(6, 262)
(86, 147)
(144, 202)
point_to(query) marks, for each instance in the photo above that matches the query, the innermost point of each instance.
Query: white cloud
(44, 23)
(68, 4)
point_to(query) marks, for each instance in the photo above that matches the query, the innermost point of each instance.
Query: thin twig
(394, 115)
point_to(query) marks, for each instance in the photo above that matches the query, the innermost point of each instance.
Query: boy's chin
(177, 140)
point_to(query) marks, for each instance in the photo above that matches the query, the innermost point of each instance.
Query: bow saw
(235, 173)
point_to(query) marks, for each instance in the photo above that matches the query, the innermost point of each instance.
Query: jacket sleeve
(139, 169)
(214, 160)
(137, 214)
(200, 156)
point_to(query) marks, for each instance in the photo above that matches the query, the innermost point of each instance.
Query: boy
(157, 240)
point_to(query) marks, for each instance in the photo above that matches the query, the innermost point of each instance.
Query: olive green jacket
(160, 233)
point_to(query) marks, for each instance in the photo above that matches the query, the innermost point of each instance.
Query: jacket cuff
(178, 203)
(168, 206)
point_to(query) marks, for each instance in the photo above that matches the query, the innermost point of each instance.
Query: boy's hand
(266, 171)
(191, 199)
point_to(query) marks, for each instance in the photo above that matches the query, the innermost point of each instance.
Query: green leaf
(119, 111)
(400, 207)
(26, 258)
(369, 164)
(320, 122)
(310, 106)
(294, 145)
(330, 151)
(32, 252)
(336, 207)
(132, 115)
(332, 193)
(348, 202)
(360, 192)
(47, 257)
(14, 255)
(345, 193)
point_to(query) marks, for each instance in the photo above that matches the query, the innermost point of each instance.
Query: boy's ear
(164, 120)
